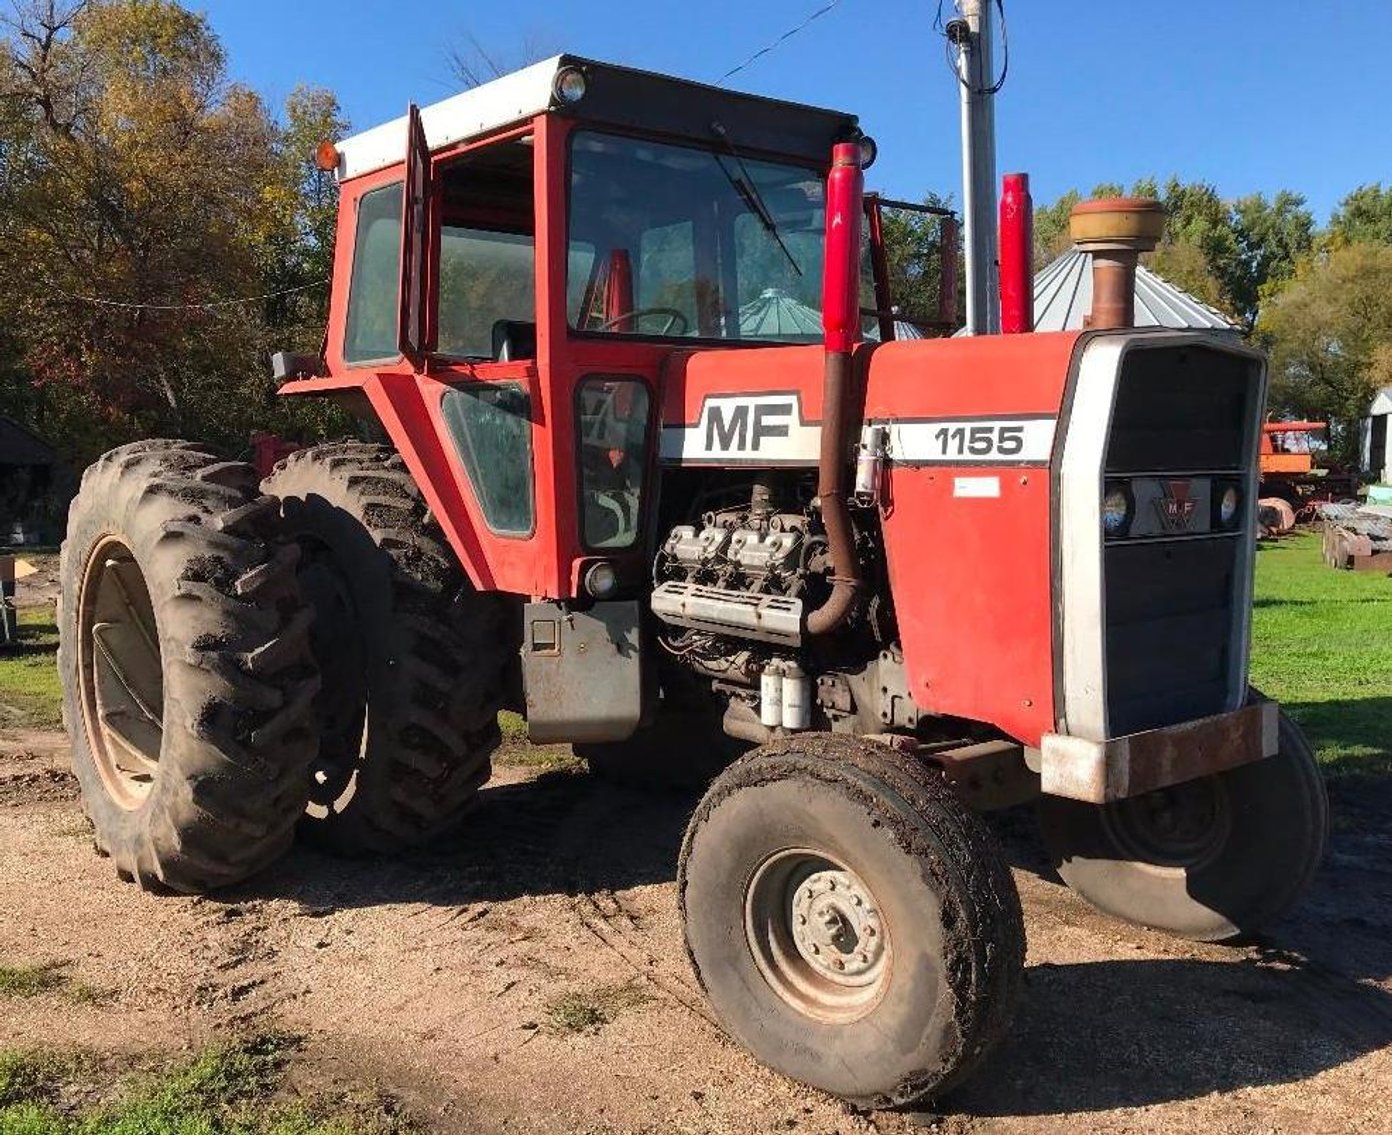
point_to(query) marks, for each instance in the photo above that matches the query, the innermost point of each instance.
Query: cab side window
(372, 295)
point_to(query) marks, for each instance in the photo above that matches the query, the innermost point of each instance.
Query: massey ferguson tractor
(883, 586)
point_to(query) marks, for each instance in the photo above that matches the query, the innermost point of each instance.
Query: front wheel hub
(817, 935)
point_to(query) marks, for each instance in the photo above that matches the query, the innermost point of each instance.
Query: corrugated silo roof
(1063, 297)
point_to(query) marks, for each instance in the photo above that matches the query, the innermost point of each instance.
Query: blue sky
(1248, 94)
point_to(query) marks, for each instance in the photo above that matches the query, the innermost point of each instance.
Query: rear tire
(1212, 859)
(187, 677)
(853, 924)
(413, 657)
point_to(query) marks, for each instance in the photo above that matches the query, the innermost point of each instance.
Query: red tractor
(881, 585)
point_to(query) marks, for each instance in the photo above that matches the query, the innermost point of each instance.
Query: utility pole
(972, 33)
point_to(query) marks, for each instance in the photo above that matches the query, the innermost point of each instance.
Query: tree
(471, 64)
(1329, 332)
(1272, 238)
(1051, 239)
(147, 197)
(1228, 254)
(1364, 215)
(914, 254)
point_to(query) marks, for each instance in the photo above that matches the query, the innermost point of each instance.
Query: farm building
(30, 484)
(1376, 463)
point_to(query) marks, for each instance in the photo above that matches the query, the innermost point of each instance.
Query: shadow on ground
(563, 833)
(1101, 1035)
(1089, 1036)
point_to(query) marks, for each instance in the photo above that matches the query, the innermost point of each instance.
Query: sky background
(1251, 95)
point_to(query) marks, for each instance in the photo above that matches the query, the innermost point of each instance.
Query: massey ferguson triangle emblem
(1176, 507)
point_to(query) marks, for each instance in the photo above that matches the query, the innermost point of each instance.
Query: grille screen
(1173, 614)
(1170, 630)
(1181, 408)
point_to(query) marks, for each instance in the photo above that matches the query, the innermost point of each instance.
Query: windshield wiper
(748, 190)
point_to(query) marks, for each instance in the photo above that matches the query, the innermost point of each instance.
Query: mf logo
(763, 428)
(737, 425)
(1175, 505)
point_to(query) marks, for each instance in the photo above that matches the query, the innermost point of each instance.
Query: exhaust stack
(845, 206)
(1115, 231)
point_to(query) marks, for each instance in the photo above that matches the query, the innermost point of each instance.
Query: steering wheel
(674, 317)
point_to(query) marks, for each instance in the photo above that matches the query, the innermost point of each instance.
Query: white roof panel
(513, 98)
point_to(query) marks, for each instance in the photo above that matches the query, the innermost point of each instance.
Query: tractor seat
(514, 339)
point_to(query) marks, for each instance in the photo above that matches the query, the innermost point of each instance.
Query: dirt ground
(436, 979)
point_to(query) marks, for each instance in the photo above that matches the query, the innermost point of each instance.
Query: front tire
(413, 657)
(1210, 860)
(852, 923)
(187, 677)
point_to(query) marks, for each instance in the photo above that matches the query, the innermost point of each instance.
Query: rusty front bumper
(1099, 772)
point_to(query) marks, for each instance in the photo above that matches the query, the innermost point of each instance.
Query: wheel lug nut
(816, 949)
(802, 920)
(839, 964)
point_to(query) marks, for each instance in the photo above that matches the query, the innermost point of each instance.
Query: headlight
(1116, 510)
(868, 152)
(569, 85)
(601, 580)
(1228, 506)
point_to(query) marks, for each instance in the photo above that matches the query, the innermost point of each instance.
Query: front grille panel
(1172, 626)
(1175, 607)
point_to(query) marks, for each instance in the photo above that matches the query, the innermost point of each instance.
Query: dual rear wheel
(240, 661)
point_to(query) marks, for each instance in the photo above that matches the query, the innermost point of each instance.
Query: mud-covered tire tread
(433, 720)
(986, 931)
(223, 807)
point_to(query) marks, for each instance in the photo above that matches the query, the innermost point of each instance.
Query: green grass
(227, 1089)
(49, 977)
(519, 752)
(32, 981)
(1322, 646)
(31, 696)
(588, 1011)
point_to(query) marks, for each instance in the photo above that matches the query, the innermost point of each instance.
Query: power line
(96, 301)
(775, 44)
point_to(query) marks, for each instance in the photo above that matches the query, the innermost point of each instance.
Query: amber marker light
(326, 156)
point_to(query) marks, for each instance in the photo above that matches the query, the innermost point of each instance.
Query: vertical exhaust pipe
(1115, 231)
(845, 208)
(1016, 255)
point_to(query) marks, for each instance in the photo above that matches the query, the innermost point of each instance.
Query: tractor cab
(516, 268)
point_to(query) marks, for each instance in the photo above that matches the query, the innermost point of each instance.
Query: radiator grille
(1175, 608)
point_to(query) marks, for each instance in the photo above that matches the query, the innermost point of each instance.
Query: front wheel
(852, 923)
(1209, 859)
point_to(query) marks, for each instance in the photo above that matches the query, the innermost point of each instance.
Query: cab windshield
(678, 242)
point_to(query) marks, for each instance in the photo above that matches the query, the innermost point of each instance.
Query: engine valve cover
(768, 618)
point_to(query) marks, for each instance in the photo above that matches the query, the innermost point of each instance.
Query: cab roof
(615, 96)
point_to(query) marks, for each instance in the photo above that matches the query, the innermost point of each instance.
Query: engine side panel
(966, 520)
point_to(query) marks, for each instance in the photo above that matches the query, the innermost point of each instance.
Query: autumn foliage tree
(145, 198)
